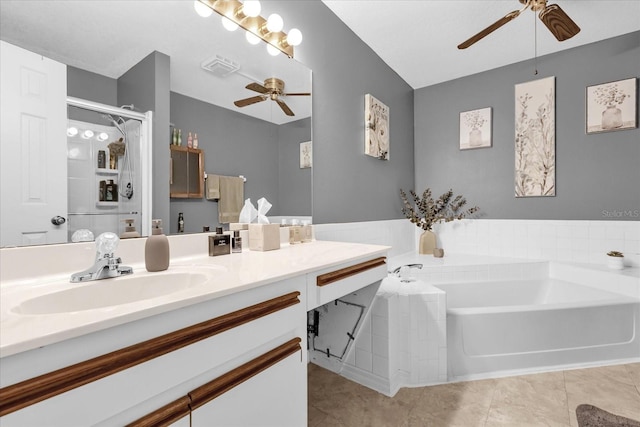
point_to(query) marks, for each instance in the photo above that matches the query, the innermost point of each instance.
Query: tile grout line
(566, 394)
(493, 394)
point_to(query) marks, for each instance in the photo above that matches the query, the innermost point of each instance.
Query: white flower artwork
(475, 129)
(535, 138)
(376, 134)
(306, 159)
(612, 106)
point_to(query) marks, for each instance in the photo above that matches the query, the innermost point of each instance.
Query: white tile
(364, 360)
(380, 366)
(379, 326)
(380, 346)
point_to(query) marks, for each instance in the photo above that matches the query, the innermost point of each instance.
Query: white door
(33, 115)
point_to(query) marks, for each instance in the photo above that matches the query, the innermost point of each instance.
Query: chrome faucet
(106, 264)
(397, 270)
(404, 272)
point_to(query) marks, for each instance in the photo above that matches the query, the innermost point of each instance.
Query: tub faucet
(106, 264)
(397, 270)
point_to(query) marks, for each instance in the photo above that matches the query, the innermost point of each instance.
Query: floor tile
(539, 400)
(456, 404)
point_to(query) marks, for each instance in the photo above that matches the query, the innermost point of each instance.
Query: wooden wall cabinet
(187, 172)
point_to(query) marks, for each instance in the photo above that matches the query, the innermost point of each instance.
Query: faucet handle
(106, 245)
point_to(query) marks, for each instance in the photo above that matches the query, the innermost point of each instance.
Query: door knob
(58, 220)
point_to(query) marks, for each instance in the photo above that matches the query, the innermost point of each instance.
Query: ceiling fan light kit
(247, 16)
(554, 18)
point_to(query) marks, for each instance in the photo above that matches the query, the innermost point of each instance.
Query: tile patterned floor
(547, 399)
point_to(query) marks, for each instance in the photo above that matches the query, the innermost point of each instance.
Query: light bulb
(251, 8)
(252, 38)
(228, 24)
(294, 38)
(274, 23)
(272, 50)
(72, 131)
(102, 136)
(202, 9)
(87, 134)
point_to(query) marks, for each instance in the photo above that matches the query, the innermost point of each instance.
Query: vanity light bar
(232, 10)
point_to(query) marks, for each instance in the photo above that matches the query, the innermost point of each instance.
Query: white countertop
(231, 273)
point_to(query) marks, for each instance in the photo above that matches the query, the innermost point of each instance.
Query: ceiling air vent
(220, 66)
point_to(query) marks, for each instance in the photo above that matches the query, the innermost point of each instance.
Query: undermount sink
(114, 292)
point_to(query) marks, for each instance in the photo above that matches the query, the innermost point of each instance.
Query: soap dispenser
(129, 230)
(156, 249)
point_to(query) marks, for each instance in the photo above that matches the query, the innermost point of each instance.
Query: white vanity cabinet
(187, 350)
(233, 355)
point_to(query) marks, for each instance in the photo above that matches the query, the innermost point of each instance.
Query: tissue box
(264, 237)
(238, 226)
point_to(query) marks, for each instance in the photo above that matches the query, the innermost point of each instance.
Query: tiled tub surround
(550, 240)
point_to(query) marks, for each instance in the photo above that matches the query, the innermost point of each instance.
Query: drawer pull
(166, 415)
(34, 390)
(231, 379)
(334, 276)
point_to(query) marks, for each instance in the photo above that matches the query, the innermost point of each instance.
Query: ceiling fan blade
(257, 88)
(558, 22)
(285, 107)
(249, 101)
(295, 94)
(490, 29)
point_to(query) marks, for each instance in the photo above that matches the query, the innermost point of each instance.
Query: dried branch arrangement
(425, 211)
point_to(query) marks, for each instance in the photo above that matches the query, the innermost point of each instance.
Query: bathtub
(505, 327)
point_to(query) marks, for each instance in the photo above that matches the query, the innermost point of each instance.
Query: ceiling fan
(273, 89)
(556, 20)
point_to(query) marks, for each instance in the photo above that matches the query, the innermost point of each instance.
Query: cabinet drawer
(339, 281)
(133, 377)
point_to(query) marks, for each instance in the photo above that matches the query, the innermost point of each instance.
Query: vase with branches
(424, 211)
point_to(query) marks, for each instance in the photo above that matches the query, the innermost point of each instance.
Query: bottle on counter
(180, 223)
(195, 140)
(179, 136)
(219, 243)
(190, 140)
(156, 248)
(174, 137)
(236, 242)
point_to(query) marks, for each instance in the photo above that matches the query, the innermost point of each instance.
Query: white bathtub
(530, 325)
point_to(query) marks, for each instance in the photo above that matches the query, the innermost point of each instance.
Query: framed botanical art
(306, 158)
(376, 134)
(535, 138)
(612, 106)
(475, 129)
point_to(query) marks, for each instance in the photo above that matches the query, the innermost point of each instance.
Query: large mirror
(102, 41)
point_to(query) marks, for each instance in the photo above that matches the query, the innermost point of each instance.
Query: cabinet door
(187, 172)
(274, 397)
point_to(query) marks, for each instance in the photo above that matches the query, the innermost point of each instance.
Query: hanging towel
(231, 199)
(212, 187)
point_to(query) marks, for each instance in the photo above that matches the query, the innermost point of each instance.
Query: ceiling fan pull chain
(535, 45)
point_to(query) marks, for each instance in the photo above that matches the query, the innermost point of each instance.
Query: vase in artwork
(611, 117)
(427, 243)
(475, 137)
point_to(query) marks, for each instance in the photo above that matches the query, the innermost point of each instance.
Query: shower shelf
(107, 204)
(103, 171)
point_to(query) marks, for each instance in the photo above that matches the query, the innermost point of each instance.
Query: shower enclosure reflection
(105, 170)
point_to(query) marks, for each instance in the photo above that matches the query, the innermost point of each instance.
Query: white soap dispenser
(156, 249)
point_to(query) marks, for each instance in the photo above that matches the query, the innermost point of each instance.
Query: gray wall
(237, 144)
(294, 184)
(347, 185)
(94, 87)
(146, 85)
(594, 173)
